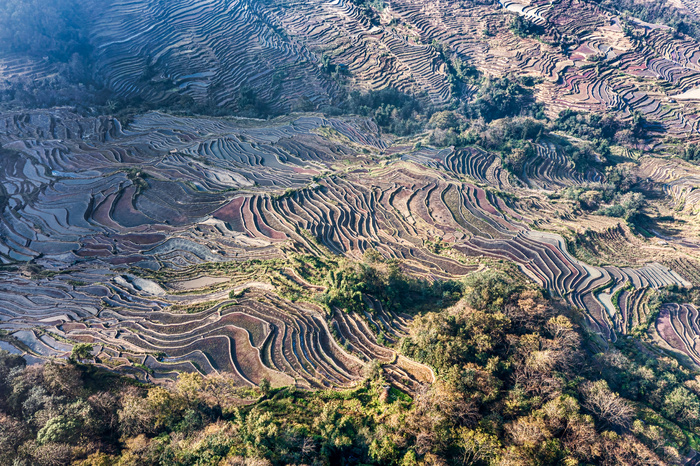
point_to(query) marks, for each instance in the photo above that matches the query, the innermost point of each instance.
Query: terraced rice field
(157, 51)
(680, 182)
(678, 328)
(167, 194)
(112, 234)
(99, 209)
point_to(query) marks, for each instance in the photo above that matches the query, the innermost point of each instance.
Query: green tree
(59, 429)
(683, 405)
(81, 351)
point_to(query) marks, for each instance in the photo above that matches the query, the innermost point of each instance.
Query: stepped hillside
(91, 206)
(271, 57)
(298, 55)
(482, 215)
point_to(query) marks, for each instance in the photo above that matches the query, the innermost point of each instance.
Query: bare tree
(605, 404)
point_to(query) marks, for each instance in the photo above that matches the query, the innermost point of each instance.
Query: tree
(639, 125)
(8, 363)
(165, 407)
(59, 429)
(690, 152)
(135, 415)
(590, 199)
(476, 445)
(103, 419)
(12, 434)
(528, 432)
(608, 406)
(488, 290)
(63, 379)
(444, 120)
(80, 352)
(632, 203)
(220, 390)
(265, 386)
(188, 386)
(683, 405)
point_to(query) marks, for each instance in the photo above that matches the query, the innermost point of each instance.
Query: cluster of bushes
(330, 68)
(56, 90)
(602, 128)
(65, 413)
(615, 198)
(666, 392)
(513, 138)
(676, 294)
(524, 27)
(449, 128)
(68, 413)
(459, 71)
(589, 126)
(626, 206)
(600, 132)
(504, 118)
(403, 114)
(392, 110)
(348, 282)
(690, 152)
(369, 9)
(506, 96)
